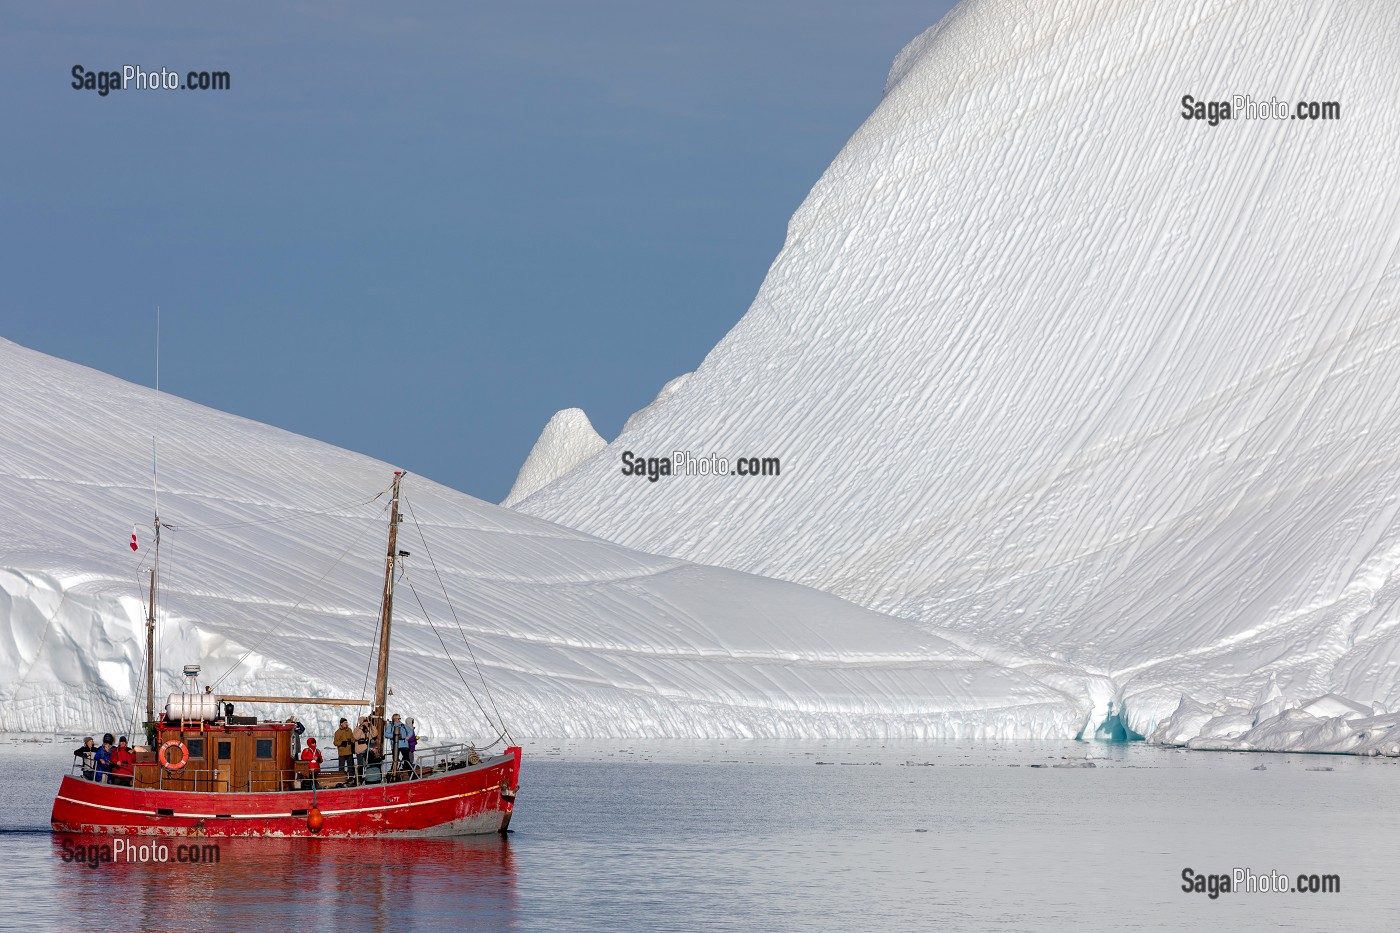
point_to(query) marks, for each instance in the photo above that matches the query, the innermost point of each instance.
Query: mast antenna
(155, 563)
(155, 462)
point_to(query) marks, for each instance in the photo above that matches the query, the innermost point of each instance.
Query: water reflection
(350, 884)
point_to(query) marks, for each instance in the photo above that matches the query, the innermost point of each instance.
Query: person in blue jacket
(102, 760)
(399, 735)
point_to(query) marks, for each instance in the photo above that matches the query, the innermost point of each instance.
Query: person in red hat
(312, 756)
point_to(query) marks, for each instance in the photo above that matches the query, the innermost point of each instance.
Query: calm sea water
(779, 835)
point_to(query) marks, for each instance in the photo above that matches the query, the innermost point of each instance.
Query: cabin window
(264, 748)
(225, 751)
(196, 747)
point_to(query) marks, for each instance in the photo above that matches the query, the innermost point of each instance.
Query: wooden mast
(381, 679)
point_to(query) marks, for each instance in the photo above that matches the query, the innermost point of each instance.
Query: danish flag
(133, 537)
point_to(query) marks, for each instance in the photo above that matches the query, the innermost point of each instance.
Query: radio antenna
(155, 564)
(155, 461)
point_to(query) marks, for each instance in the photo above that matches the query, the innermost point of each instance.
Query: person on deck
(312, 755)
(102, 760)
(412, 740)
(398, 743)
(85, 755)
(361, 736)
(376, 740)
(344, 741)
(297, 731)
(123, 764)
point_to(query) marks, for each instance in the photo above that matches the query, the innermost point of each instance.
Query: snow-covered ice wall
(1052, 366)
(274, 547)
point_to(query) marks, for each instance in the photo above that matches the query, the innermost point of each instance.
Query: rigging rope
(462, 631)
(472, 693)
(373, 648)
(263, 637)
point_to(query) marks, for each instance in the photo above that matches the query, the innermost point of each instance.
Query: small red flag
(133, 537)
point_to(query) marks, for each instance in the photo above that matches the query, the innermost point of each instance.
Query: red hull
(478, 799)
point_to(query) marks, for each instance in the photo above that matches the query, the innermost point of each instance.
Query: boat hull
(473, 800)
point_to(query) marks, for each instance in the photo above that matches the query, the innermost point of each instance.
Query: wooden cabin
(226, 758)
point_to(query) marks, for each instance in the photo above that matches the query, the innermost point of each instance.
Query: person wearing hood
(312, 756)
(123, 763)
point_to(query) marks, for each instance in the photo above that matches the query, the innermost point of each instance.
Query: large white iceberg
(1050, 365)
(1088, 406)
(273, 563)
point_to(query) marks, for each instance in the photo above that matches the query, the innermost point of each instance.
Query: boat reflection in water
(268, 883)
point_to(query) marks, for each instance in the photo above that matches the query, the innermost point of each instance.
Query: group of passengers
(358, 748)
(112, 762)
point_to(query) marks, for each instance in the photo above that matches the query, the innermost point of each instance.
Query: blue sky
(418, 230)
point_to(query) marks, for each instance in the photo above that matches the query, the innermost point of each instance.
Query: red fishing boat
(211, 773)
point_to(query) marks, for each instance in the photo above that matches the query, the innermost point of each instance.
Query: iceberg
(1327, 724)
(1082, 405)
(566, 441)
(272, 560)
(1052, 365)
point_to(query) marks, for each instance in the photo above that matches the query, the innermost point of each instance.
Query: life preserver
(165, 759)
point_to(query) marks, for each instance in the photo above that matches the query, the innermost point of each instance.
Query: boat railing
(445, 758)
(210, 780)
(89, 772)
(426, 762)
(296, 778)
(270, 779)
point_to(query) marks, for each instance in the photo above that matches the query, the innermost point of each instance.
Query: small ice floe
(1076, 764)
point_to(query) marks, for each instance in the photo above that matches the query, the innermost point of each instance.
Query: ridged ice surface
(275, 547)
(1051, 366)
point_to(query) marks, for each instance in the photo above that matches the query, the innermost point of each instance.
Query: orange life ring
(165, 759)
